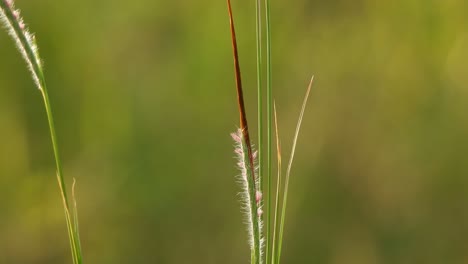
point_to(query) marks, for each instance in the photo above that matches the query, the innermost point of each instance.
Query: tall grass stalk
(278, 188)
(253, 189)
(269, 99)
(258, 26)
(252, 197)
(26, 44)
(259, 42)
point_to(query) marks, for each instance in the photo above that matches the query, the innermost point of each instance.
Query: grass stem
(247, 159)
(26, 44)
(278, 188)
(258, 25)
(269, 125)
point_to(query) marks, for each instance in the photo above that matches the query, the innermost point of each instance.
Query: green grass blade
(278, 188)
(60, 179)
(288, 170)
(70, 230)
(269, 125)
(76, 227)
(258, 24)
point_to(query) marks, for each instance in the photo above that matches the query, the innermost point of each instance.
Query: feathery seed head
(251, 198)
(25, 41)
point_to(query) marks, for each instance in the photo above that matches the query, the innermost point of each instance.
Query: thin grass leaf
(258, 25)
(278, 188)
(26, 44)
(288, 170)
(269, 99)
(70, 227)
(76, 227)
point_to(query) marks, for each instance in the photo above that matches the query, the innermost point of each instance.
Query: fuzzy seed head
(250, 197)
(25, 41)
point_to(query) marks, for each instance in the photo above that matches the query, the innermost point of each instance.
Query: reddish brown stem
(240, 95)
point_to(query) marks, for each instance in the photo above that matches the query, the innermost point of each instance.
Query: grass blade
(76, 227)
(288, 170)
(258, 24)
(278, 188)
(269, 99)
(258, 27)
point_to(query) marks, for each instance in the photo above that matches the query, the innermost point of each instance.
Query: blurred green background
(144, 98)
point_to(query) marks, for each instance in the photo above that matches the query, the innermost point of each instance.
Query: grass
(288, 175)
(251, 181)
(265, 242)
(26, 44)
(269, 96)
(248, 178)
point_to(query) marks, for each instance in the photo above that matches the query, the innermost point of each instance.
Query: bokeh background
(144, 98)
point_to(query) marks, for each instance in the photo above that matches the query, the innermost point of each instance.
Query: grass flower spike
(253, 172)
(251, 199)
(252, 194)
(25, 41)
(26, 44)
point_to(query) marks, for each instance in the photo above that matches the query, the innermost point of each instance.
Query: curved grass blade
(288, 170)
(278, 188)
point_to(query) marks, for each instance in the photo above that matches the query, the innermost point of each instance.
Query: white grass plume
(25, 41)
(251, 198)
